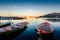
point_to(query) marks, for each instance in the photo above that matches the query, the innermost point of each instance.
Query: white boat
(12, 30)
(45, 31)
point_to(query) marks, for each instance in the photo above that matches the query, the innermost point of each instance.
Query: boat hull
(11, 34)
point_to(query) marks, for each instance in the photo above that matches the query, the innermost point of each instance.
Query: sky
(28, 7)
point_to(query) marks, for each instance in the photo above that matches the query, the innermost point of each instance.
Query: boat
(9, 32)
(4, 24)
(45, 31)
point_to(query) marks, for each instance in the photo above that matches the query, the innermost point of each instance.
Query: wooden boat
(12, 31)
(45, 31)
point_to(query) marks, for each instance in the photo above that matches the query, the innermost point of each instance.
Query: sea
(30, 34)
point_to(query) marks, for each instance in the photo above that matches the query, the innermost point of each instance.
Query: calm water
(30, 33)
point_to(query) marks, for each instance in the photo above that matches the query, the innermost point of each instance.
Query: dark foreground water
(30, 33)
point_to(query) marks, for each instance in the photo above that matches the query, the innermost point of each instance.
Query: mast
(9, 15)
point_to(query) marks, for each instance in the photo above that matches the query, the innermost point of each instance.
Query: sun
(27, 17)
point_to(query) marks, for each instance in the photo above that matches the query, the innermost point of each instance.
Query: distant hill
(51, 15)
(10, 18)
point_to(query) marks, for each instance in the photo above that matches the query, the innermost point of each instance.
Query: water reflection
(45, 37)
(30, 33)
(53, 20)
